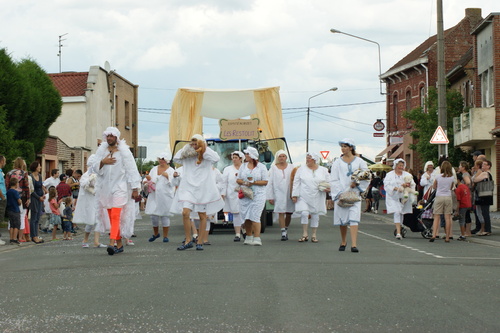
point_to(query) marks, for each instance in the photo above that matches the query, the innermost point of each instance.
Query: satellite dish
(107, 66)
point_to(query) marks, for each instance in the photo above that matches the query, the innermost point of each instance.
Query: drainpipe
(426, 80)
(113, 114)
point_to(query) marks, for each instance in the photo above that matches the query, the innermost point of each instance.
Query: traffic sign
(379, 125)
(439, 137)
(325, 153)
(378, 135)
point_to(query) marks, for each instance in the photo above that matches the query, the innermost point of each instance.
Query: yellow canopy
(190, 105)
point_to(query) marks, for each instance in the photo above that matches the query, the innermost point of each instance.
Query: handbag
(245, 190)
(348, 198)
(241, 195)
(485, 188)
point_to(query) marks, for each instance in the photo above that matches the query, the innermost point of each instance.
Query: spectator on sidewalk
(3, 191)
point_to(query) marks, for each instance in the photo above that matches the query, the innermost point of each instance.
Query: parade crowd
(106, 198)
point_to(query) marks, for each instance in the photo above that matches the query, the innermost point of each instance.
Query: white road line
(421, 251)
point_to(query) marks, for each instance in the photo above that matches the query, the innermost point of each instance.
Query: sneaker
(153, 238)
(461, 238)
(284, 237)
(111, 250)
(100, 246)
(398, 236)
(199, 247)
(2, 242)
(166, 240)
(119, 250)
(85, 245)
(248, 240)
(237, 238)
(185, 246)
(130, 242)
(375, 211)
(257, 241)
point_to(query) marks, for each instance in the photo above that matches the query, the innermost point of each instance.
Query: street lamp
(308, 111)
(335, 31)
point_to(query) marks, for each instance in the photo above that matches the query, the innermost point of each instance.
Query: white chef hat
(198, 137)
(239, 153)
(166, 155)
(254, 154)
(349, 142)
(399, 160)
(113, 131)
(314, 156)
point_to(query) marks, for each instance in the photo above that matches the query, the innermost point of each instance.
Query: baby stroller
(420, 220)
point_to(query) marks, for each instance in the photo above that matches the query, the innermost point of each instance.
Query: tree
(30, 104)
(425, 124)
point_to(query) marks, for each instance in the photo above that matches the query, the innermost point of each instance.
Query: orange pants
(114, 220)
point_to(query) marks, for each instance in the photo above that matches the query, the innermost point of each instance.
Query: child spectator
(67, 218)
(13, 203)
(464, 204)
(55, 215)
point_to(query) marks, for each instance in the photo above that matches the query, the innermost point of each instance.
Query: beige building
(92, 101)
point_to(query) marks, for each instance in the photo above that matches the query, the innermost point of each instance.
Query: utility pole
(60, 51)
(442, 117)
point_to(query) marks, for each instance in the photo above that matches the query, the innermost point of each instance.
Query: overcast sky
(162, 45)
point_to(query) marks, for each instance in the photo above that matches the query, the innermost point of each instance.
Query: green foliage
(145, 166)
(30, 104)
(425, 124)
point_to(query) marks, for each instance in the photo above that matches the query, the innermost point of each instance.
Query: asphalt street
(389, 286)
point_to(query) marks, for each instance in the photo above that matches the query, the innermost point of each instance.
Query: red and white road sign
(378, 135)
(439, 137)
(325, 153)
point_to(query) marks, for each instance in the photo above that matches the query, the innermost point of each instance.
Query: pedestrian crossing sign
(439, 137)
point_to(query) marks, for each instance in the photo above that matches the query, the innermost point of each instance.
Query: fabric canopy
(190, 105)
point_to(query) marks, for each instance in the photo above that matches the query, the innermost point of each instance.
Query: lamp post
(308, 111)
(335, 31)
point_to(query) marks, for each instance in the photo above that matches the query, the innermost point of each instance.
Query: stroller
(420, 220)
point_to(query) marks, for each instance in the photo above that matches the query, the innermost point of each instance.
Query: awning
(383, 152)
(397, 152)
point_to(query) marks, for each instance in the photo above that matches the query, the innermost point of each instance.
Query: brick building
(408, 80)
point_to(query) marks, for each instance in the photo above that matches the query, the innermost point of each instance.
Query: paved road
(390, 286)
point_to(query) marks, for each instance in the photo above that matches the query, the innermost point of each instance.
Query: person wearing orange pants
(117, 186)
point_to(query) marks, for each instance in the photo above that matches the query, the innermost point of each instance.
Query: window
(395, 108)
(487, 88)
(422, 97)
(127, 115)
(408, 100)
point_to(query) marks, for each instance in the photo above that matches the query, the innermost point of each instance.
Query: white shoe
(2, 242)
(85, 245)
(248, 240)
(256, 241)
(398, 236)
(375, 211)
(129, 242)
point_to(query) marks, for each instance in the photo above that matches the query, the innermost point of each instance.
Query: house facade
(407, 84)
(92, 101)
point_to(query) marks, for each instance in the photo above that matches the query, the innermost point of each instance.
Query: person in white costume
(310, 184)
(394, 186)
(253, 175)
(278, 191)
(230, 196)
(197, 190)
(117, 187)
(341, 181)
(428, 177)
(161, 190)
(85, 212)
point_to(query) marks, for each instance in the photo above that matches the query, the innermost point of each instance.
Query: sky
(163, 45)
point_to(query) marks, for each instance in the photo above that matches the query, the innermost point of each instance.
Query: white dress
(251, 209)
(278, 189)
(160, 200)
(427, 181)
(197, 183)
(85, 211)
(232, 202)
(341, 182)
(114, 186)
(306, 189)
(392, 200)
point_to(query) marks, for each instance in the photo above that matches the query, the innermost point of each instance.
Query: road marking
(398, 243)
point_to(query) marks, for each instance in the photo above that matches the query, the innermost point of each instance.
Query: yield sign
(439, 136)
(325, 153)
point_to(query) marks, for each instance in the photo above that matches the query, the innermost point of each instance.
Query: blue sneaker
(119, 250)
(185, 246)
(199, 247)
(165, 240)
(154, 237)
